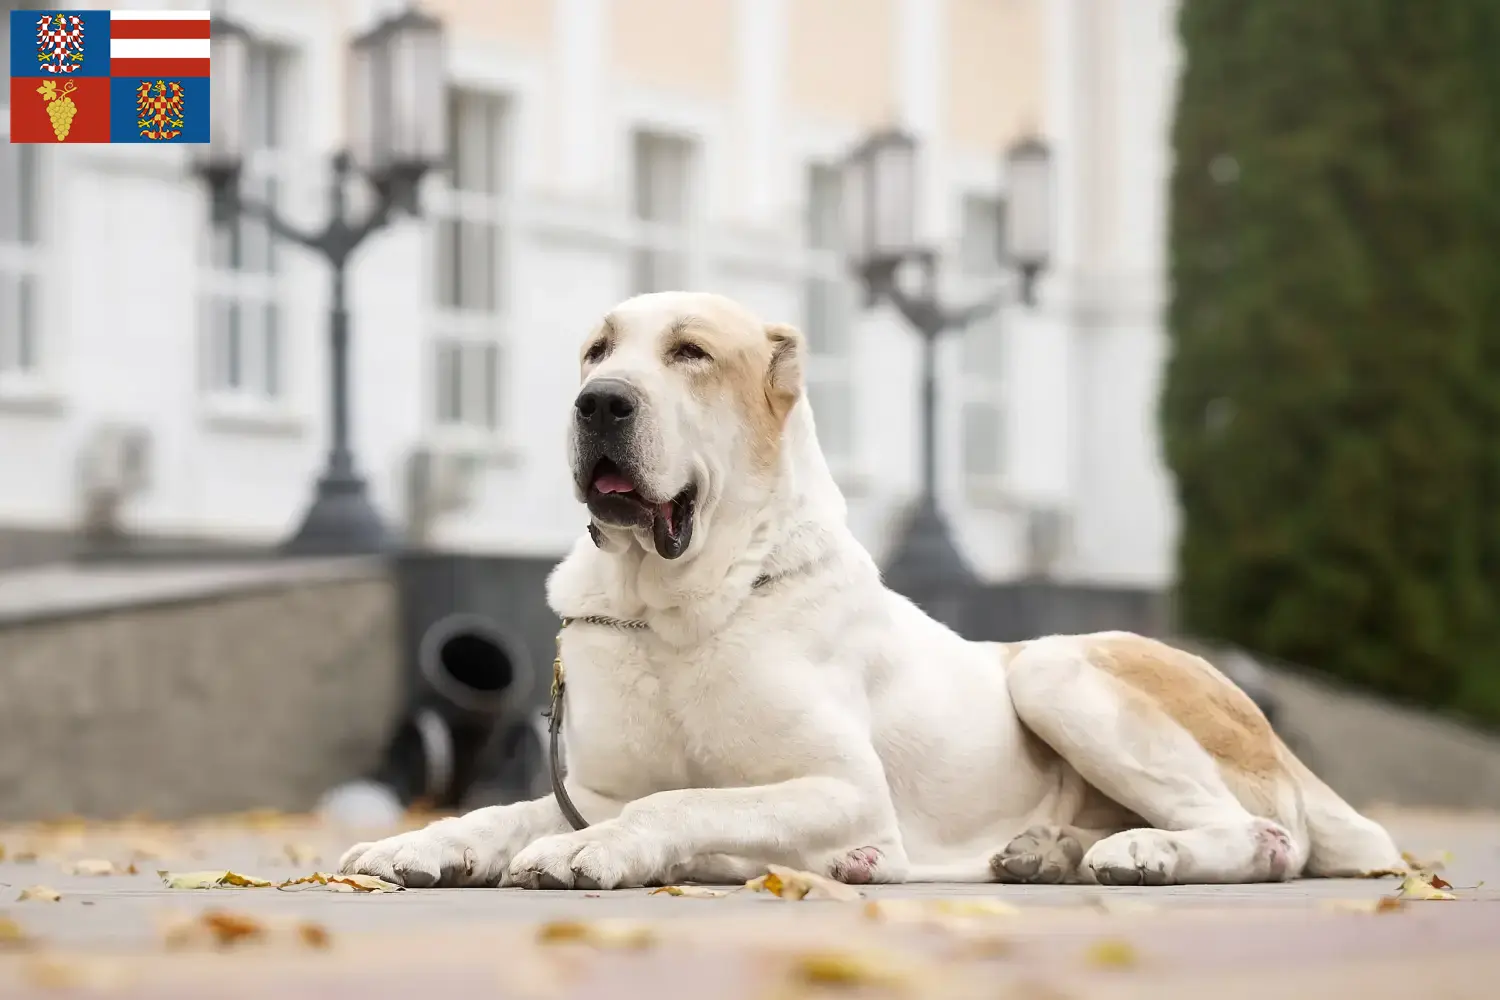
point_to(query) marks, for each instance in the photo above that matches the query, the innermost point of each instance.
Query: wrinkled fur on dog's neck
(800, 522)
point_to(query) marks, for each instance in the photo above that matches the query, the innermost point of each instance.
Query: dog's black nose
(605, 405)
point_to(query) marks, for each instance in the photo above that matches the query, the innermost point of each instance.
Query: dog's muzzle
(605, 413)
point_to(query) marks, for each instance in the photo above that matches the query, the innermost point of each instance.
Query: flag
(109, 76)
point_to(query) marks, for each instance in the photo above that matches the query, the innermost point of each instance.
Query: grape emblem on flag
(159, 109)
(60, 107)
(59, 42)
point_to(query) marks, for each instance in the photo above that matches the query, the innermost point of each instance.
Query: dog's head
(682, 409)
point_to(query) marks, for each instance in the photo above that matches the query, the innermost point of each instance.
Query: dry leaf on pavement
(1380, 904)
(212, 880)
(599, 933)
(213, 927)
(11, 935)
(1424, 885)
(360, 883)
(91, 866)
(789, 883)
(343, 883)
(41, 893)
(314, 935)
(690, 891)
(938, 910)
(50, 972)
(853, 969)
(1112, 953)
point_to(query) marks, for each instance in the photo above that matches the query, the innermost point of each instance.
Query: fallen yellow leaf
(852, 968)
(211, 880)
(212, 928)
(232, 928)
(1112, 953)
(789, 883)
(623, 934)
(313, 935)
(91, 866)
(359, 883)
(50, 972)
(11, 934)
(690, 891)
(930, 910)
(1380, 904)
(1424, 885)
(41, 893)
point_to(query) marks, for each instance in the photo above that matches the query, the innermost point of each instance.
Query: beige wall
(681, 45)
(525, 24)
(996, 71)
(841, 60)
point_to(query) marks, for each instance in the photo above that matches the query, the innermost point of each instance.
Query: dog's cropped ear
(784, 374)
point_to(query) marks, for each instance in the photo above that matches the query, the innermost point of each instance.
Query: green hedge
(1331, 410)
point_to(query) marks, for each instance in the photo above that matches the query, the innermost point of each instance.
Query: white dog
(742, 689)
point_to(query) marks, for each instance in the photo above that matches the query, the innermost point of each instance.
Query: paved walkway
(112, 933)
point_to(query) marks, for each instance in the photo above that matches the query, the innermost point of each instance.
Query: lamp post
(397, 132)
(880, 183)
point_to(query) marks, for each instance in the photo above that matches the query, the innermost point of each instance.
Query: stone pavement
(109, 934)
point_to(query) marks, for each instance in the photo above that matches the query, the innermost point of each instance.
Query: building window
(982, 379)
(828, 310)
(469, 256)
(20, 330)
(662, 197)
(244, 332)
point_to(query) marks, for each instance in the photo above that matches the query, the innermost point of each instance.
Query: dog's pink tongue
(613, 482)
(665, 510)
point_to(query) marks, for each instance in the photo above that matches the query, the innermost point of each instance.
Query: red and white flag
(158, 43)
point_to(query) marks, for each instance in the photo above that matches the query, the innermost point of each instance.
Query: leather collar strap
(555, 710)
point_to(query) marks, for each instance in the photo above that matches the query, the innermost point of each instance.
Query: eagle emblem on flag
(159, 110)
(59, 42)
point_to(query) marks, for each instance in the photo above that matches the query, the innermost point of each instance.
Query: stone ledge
(188, 691)
(69, 590)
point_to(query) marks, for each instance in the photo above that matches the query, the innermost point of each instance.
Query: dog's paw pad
(858, 866)
(1042, 855)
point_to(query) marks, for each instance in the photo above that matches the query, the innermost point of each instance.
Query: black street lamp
(397, 133)
(880, 184)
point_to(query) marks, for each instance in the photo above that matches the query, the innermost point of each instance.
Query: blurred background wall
(602, 148)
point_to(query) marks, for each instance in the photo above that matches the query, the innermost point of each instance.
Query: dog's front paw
(443, 854)
(602, 857)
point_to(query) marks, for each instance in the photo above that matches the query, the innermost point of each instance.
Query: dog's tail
(1343, 843)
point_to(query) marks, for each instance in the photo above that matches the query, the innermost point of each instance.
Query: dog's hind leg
(1165, 736)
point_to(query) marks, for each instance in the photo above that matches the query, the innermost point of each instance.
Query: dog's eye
(595, 351)
(689, 352)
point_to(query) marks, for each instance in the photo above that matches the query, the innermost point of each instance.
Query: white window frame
(662, 239)
(826, 282)
(24, 350)
(469, 338)
(245, 325)
(982, 391)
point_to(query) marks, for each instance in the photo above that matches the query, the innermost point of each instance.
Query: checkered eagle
(59, 42)
(158, 109)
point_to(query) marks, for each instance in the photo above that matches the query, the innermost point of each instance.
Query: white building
(605, 147)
